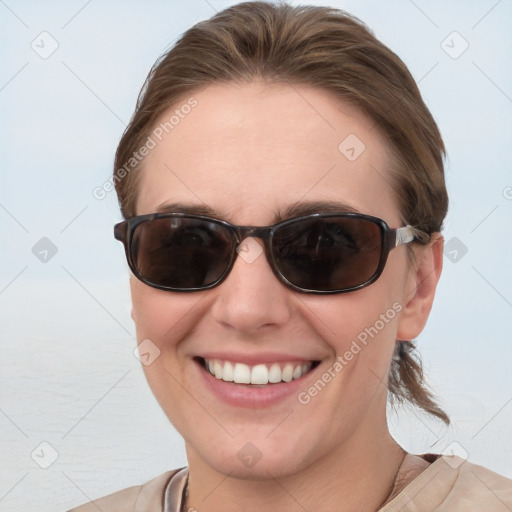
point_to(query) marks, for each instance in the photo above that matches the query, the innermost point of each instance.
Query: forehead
(249, 150)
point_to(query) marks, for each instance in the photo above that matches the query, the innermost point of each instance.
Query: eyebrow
(190, 208)
(297, 209)
(309, 207)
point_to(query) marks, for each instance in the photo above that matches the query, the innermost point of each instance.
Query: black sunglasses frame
(390, 238)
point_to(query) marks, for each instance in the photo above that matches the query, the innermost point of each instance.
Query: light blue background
(68, 375)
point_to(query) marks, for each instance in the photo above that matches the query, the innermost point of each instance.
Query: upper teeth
(241, 373)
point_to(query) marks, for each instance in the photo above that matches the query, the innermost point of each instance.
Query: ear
(420, 288)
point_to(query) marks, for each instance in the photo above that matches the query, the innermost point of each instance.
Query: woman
(283, 189)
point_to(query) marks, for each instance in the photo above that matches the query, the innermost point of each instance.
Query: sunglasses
(318, 253)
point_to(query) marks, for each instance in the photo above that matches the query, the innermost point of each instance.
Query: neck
(356, 476)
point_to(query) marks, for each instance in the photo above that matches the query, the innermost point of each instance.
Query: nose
(251, 297)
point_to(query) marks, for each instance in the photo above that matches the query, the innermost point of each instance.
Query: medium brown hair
(333, 51)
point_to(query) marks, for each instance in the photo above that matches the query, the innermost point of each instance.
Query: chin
(264, 468)
(256, 459)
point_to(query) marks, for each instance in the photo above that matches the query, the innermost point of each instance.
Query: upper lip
(257, 358)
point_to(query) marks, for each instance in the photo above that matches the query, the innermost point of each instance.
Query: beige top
(424, 483)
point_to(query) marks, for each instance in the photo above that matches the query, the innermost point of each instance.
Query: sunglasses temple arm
(407, 234)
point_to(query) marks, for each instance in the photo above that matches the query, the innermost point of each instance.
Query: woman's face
(246, 152)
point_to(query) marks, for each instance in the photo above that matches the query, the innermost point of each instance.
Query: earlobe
(420, 288)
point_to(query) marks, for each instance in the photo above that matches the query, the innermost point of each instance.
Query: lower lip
(247, 395)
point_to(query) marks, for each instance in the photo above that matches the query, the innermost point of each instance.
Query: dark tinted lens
(331, 253)
(181, 252)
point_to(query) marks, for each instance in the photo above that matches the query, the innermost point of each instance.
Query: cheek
(165, 319)
(363, 335)
(162, 320)
(158, 314)
(360, 327)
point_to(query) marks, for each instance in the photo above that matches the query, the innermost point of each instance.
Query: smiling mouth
(259, 374)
